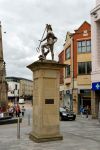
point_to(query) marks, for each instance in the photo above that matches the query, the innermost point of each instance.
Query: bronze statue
(49, 45)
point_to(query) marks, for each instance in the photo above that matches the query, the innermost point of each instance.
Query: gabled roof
(85, 22)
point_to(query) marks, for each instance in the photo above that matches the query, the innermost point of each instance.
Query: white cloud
(24, 22)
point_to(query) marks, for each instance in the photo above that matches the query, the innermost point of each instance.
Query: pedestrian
(87, 112)
(82, 111)
(1, 113)
(11, 111)
(0, 110)
(23, 111)
(17, 110)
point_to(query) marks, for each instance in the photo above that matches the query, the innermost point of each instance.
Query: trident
(38, 48)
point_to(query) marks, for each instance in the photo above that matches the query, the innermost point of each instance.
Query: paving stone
(82, 134)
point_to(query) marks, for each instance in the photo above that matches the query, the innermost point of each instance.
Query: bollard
(18, 128)
(29, 119)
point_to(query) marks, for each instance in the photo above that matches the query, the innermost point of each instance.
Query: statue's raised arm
(48, 46)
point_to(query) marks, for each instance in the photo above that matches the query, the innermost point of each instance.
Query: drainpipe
(72, 69)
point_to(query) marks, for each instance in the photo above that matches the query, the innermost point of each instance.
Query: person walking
(87, 111)
(82, 111)
(17, 110)
(23, 111)
(1, 113)
(11, 111)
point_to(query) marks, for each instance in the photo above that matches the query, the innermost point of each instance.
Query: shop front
(84, 99)
(66, 99)
(95, 100)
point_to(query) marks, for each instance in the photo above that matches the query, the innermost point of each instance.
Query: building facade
(19, 88)
(13, 88)
(61, 60)
(82, 67)
(95, 76)
(65, 75)
(26, 88)
(77, 78)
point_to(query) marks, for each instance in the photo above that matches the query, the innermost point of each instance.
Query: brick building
(19, 88)
(77, 78)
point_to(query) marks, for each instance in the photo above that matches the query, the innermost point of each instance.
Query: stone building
(3, 83)
(95, 77)
(77, 73)
(26, 88)
(19, 88)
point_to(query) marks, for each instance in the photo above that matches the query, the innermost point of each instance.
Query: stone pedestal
(45, 101)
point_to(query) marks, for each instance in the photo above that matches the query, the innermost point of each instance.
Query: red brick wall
(78, 35)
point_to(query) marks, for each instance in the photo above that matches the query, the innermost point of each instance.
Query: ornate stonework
(3, 83)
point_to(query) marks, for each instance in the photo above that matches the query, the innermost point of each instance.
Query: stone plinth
(45, 101)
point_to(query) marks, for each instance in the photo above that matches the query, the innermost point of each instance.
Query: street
(82, 134)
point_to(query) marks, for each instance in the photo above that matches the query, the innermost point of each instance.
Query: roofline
(18, 78)
(61, 52)
(82, 25)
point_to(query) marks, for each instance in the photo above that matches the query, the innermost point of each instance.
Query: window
(18, 91)
(67, 71)
(89, 67)
(84, 46)
(68, 53)
(84, 68)
(81, 68)
(12, 92)
(15, 86)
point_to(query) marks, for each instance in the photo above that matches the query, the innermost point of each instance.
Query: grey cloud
(24, 22)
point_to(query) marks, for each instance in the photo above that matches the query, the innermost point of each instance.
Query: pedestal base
(94, 116)
(44, 139)
(46, 124)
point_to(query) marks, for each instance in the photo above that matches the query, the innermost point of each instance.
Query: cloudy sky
(24, 22)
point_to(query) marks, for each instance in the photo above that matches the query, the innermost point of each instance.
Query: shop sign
(96, 86)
